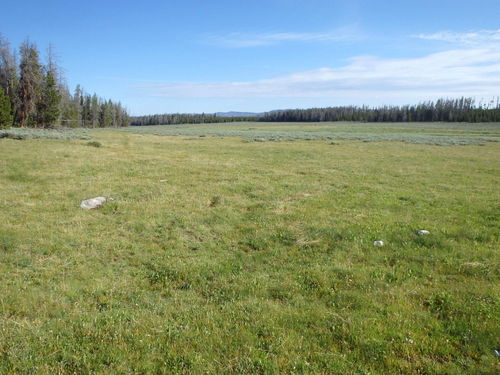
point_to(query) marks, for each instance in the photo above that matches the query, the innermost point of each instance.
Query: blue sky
(222, 55)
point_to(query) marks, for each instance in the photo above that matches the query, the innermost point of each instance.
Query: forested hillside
(35, 94)
(448, 110)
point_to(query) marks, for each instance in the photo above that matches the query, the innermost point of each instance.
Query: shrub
(94, 144)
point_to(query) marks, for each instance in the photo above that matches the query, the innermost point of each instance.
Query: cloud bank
(469, 70)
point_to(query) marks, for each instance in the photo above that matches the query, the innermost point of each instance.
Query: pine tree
(106, 115)
(77, 105)
(48, 102)
(8, 73)
(68, 108)
(94, 110)
(29, 83)
(5, 111)
(86, 111)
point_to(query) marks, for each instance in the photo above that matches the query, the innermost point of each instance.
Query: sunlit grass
(443, 134)
(219, 256)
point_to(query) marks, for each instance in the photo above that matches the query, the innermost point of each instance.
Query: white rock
(378, 243)
(92, 203)
(423, 232)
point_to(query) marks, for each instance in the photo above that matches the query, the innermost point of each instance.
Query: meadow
(247, 248)
(443, 134)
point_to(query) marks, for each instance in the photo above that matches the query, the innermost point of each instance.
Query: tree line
(184, 118)
(35, 94)
(447, 110)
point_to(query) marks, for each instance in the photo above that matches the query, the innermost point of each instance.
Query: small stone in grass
(378, 243)
(423, 232)
(92, 203)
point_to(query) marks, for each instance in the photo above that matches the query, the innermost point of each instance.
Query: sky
(193, 56)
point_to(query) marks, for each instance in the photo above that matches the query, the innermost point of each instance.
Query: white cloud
(466, 71)
(480, 37)
(242, 40)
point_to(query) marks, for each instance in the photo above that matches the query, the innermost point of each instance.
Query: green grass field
(443, 134)
(224, 256)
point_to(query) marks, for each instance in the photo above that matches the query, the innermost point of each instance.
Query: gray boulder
(92, 203)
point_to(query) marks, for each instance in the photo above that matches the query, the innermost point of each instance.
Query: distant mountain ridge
(238, 114)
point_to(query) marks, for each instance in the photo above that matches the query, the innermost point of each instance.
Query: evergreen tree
(39, 96)
(29, 83)
(8, 73)
(106, 116)
(69, 109)
(77, 104)
(48, 102)
(86, 111)
(5, 111)
(94, 110)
